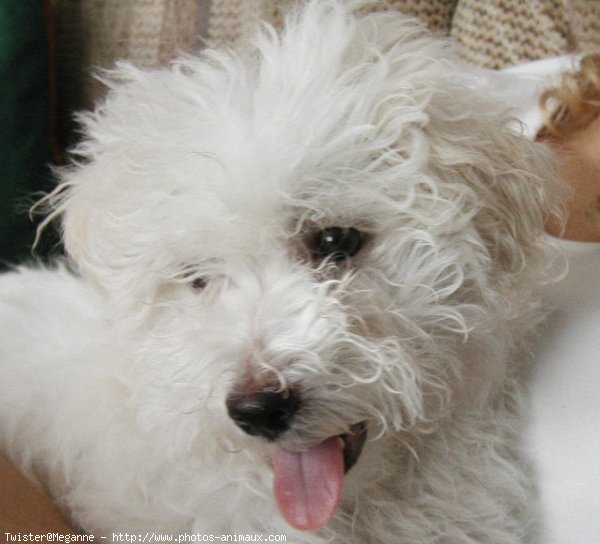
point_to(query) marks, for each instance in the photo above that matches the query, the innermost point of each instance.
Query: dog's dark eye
(189, 276)
(198, 283)
(336, 243)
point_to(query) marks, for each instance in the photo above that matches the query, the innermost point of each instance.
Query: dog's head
(328, 234)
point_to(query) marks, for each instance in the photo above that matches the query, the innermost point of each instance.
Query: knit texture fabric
(491, 33)
(231, 19)
(500, 33)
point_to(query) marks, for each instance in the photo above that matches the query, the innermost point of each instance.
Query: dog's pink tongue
(308, 485)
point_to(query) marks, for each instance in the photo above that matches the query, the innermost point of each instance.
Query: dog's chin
(308, 484)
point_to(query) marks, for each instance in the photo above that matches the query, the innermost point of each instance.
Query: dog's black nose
(266, 413)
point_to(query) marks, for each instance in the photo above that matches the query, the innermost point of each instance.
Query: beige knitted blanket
(492, 33)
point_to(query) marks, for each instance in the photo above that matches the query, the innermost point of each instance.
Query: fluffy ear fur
(515, 189)
(95, 230)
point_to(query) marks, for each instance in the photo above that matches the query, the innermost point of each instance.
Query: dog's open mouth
(308, 485)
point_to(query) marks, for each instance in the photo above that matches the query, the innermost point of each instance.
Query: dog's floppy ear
(85, 224)
(105, 228)
(512, 179)
(107, 200)
(94, 231)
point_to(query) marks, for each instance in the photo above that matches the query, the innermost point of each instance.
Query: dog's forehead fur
(275, 131)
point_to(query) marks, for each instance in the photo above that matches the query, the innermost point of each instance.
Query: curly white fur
(221, 167)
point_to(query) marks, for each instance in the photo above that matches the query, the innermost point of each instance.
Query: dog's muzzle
(269, 413)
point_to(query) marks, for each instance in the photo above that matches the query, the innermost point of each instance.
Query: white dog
(300, 280)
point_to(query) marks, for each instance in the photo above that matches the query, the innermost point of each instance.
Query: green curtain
(24, 122)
